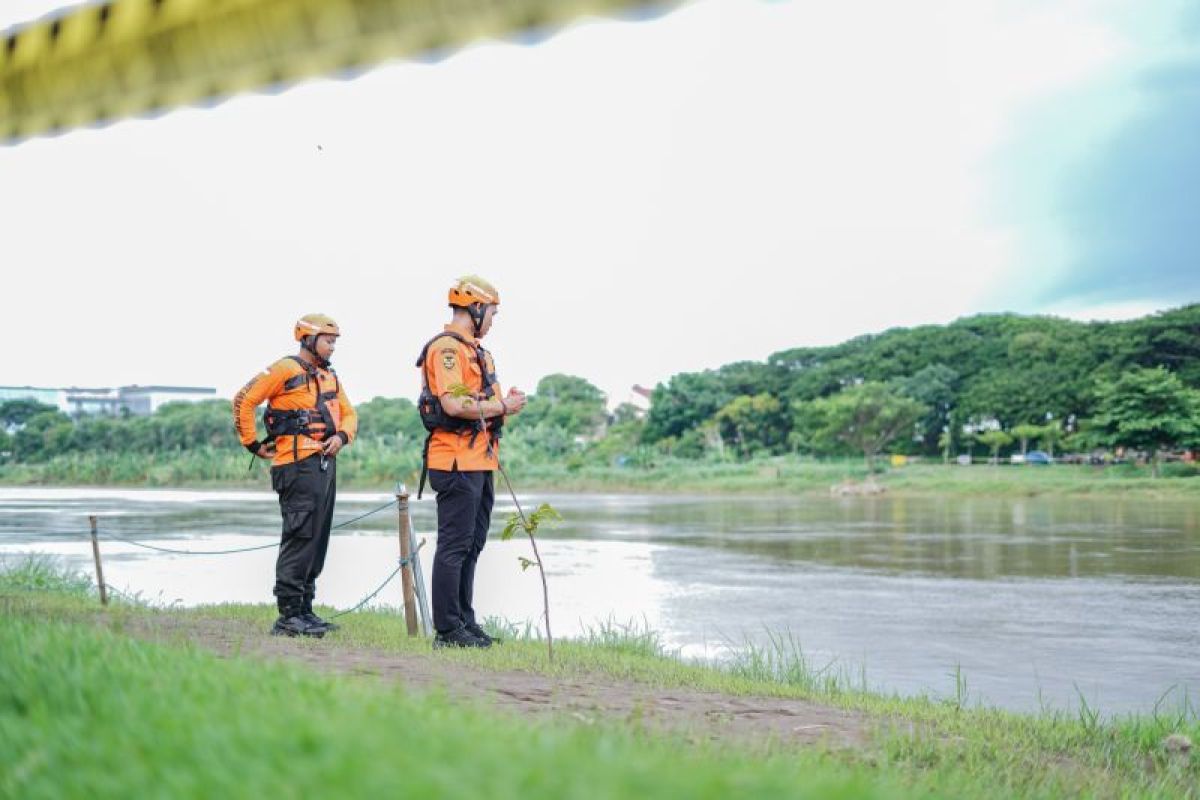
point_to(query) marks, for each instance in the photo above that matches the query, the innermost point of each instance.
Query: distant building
(89, 402)
(136, 400)
(640, 396)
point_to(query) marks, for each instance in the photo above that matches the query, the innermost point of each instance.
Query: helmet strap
(309, 343)
(477, 311)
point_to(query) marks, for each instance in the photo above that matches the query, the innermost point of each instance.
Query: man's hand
(331, 446)
(514, 401)
(266, 451)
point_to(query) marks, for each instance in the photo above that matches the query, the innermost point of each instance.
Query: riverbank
(793, 476)
(370, 469)
(132, 700)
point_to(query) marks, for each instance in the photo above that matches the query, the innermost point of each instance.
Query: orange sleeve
(444, 366)
(258, 390)
(349, 421)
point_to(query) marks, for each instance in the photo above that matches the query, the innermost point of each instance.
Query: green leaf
(526, 563)
(545, 513)
(510, 527)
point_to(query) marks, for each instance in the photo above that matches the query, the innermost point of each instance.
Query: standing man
(463, 411)
(308, 419)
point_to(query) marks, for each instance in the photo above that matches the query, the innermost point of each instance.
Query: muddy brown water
(1035, 601)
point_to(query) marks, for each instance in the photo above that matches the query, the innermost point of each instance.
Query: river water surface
(1038, 601)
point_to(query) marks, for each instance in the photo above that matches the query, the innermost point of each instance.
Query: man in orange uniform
(463, 411)
(308, 419)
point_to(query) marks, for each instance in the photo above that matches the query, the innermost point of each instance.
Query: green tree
(620, 443)
(390, 418)
(1146, 409)
(15, 413)
(626, 412)
(866, 417)
(1024, 432)
(43, 435)
(932, 386)
(994, 440)
(541, 442)
(753, 424)
(180, 426)
(945, 444)
(566, 402)
(685, 402)
(1050, 434)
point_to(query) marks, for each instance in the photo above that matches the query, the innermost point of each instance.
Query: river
(1037, 601)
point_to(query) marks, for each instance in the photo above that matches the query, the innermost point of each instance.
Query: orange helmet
(471, 289)
(313, 324)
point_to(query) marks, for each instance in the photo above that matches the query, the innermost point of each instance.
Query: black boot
(313, 619)
(291, 622)
(480, 633)
(459, 638)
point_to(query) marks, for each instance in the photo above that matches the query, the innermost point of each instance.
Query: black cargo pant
(464, 511)
(306, 497)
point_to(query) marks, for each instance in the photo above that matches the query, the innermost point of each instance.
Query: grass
(89, 713)
(796, 476)
(85, 710)
(367, 466)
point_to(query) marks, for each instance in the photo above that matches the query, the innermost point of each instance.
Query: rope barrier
(127, 540)
(174, 551)
(403, 562)
(364, 516)
(371, 596)
(351, 610)
(108, 535)
(401, 565)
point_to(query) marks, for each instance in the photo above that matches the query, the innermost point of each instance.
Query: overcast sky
(733, 179)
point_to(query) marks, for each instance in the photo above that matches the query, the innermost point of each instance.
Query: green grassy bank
(88, 710)
(372, 468)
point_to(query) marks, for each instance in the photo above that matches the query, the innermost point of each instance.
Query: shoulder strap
(488, 378)
(310, 372)
(425, 348)
(305, 368)
(476, 348)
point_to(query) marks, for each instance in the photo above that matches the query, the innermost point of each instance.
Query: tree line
(997, 382)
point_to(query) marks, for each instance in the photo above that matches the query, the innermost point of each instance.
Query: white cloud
(733, 179)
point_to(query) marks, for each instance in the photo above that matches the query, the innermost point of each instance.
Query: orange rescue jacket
(306, 404)
(446, 363)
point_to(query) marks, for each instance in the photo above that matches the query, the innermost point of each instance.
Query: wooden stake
(406, 556)
(99, 566)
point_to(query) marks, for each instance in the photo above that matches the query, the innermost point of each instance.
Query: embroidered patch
(449, 359)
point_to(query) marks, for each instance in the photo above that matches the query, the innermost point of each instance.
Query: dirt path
(696, 714)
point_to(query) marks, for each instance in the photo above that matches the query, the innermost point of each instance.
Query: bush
(1180, 469)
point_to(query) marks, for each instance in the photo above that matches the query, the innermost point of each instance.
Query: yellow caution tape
(102, 62)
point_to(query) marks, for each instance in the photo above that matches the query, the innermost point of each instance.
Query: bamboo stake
(99, 566)
(406, 557)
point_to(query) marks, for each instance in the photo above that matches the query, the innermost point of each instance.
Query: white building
(143, 400)
(640, 396)
(136, 400)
